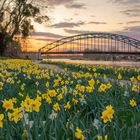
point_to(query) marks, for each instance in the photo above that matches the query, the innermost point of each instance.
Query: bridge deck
(93, 52)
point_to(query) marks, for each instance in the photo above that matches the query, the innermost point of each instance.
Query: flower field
(82, 102)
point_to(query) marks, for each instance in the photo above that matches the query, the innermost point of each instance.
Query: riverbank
(112, 63)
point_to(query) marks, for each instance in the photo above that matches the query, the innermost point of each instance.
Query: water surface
(113, 63)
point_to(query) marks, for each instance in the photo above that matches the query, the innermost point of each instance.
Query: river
(113, 63)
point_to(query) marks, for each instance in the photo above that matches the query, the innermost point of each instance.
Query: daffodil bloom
(75, 101)
(25, 134)
(79, 134)
(22, 87)
(102, 138)
(1, 85)
(36, 105)
(47, 84)
(16, 115)
(37, 83)
(104, 76)
(133, 80)
(8, 104)
(1, 120)
(66, 82)
(27, 104)
(59, 97)
(39, 98)
(97, 81)
(138, 77)
(38, 92)
(53, 115)
(109, 86)
(62, 82)
(89, 89)
(52, 93)
(95, 74)
(67, 106)
(107, 115)
(56, 82)
(135, 88)
(10, 81)
(14, 100)
(102, 88)
(94, 69)
(56, 107)
(47, 98)
(119, 76)
(21, 95)
(133, 102)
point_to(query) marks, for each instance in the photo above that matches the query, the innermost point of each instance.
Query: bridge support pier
(39, 56)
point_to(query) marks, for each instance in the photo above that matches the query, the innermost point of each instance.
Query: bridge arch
(121, 43)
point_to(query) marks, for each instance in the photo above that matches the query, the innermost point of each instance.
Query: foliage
(16, 18)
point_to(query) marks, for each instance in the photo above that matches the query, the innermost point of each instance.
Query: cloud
(46, 35)
(120, 23)
(131, 12)
(129, 34)
(76, 31)
(76, 14)
(133, 29)
(67, 24)
(68, 19)
(59, 2)
(76, 5)
(132, 7)
(126, 1)
(133, 32)
(46, 39)
(67, 3)
(92, 22)
(133, 22)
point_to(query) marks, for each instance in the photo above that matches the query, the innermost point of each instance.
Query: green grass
(3, 58)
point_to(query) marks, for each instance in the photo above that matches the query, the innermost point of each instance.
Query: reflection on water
(113, 63)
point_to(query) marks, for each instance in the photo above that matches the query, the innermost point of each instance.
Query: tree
(16, 18)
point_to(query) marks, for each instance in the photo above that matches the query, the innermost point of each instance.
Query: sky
(72, 17)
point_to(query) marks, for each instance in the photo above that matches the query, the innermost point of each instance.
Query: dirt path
(49, 66)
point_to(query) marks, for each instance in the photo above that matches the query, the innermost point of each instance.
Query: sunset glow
(72, 17)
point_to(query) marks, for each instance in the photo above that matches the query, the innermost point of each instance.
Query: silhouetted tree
(16, 17)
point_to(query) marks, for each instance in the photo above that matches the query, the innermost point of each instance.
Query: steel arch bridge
(92, 43)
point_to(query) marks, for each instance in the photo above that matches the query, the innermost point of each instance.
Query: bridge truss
(92, 43)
